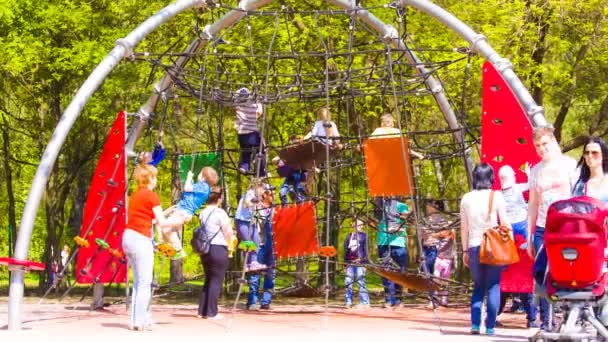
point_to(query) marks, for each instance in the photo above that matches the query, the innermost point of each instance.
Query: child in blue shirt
(193, 196)
(355, 254)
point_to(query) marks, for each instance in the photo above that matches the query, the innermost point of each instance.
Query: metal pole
(123, 48)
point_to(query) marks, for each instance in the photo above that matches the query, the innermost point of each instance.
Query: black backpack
(201, 242)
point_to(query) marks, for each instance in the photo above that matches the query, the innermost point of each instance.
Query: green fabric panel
(200, 160)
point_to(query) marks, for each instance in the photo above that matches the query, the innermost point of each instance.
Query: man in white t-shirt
(550, 180)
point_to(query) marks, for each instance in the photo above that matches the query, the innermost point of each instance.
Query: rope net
(295, 56)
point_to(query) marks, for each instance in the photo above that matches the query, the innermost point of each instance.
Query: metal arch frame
(124, 48)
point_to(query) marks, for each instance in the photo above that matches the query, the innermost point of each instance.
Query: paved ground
(74, 322)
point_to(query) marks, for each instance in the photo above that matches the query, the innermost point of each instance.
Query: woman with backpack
(215, 262)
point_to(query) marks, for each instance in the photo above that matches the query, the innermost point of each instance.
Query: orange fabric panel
(387, 173)
(294, 230)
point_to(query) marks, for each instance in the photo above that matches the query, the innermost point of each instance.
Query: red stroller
(575, 245)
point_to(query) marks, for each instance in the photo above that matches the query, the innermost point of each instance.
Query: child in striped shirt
(246, 124)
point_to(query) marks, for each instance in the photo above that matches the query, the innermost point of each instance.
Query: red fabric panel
(387, 173)
(294, 230)
(104, 211)
(506, 130)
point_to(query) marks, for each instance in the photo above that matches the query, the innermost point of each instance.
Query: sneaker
(533, 325)
(218, 316)
(475, 330)
(252, 307)
(490, 332)
(265, 307)
(349, 305)
(179, 255)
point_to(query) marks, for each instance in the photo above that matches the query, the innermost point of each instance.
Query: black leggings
(215, 264)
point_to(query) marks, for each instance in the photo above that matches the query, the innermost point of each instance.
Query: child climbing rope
(193, 196)
(247, 115)
(294, 181)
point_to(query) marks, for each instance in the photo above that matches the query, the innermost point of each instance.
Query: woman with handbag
(592, 181)
(479, 210)
(215, 263)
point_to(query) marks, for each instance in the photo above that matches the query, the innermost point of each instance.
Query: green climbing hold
(248, 246)
(102, 243)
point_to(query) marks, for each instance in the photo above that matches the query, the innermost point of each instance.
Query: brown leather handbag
(497, 246)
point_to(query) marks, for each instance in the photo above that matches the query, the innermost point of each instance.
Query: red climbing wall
(506, 130)
(294, 230)
(105, 211)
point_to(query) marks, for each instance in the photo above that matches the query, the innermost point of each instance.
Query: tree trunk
(177, 266)
(565, 107)
(538, 53)
(12, 221)
(75, 219)
(440, 181)
(50, 245)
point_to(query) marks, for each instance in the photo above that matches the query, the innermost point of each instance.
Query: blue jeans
(245, 231)
(250, 145)
(140, 256)
(265, 255)
(430, 254)
(540, 265)
(356, 274)
(486, 279)
(296, 192)
(392, 291)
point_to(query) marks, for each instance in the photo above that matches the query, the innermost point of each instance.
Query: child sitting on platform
(324, 129)
(355, 254)
(193, 196)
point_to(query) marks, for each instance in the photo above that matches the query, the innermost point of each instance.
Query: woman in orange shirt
(144, 207)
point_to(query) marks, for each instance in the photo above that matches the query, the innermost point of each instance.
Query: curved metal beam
(123, 48)
(479, 44)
